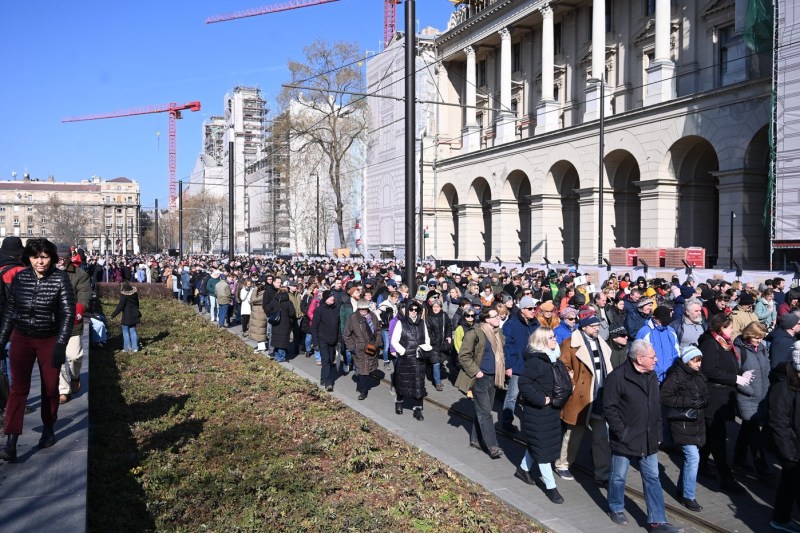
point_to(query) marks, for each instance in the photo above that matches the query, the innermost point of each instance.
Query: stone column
(587, 234)
(505, 123)
(546, 220)
(547, 109)
(469, 135)
(593, 96)
(470, 226)
(505, 228)
(444, 247)
(659, 201)
(743, 192)
(661, 74)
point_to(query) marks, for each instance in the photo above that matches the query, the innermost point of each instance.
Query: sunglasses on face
(469, 316)
(530, 308)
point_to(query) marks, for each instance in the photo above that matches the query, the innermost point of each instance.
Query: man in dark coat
(325, 336)
(782, 340)
(632, 406)
(517, 329)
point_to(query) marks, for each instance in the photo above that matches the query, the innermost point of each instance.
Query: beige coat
(576, 357)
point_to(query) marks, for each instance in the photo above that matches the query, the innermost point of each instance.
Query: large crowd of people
(642, 365)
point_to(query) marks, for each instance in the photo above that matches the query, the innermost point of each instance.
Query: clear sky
(61, 59)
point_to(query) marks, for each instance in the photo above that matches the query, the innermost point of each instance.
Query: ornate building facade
(682, 151)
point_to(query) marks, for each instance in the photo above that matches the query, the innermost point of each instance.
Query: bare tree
(331, 120)
(203, 219)
(64, 223)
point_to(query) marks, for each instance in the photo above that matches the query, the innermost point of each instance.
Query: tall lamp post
(180, 219)
(317, 176)
(601, 186)
(733, 217)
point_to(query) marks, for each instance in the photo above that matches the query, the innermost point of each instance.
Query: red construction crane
(389, 20)
(389, 13)
(174, 111)
(272, 8)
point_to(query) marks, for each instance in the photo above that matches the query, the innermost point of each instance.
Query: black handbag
(686, 414)
(275, 318)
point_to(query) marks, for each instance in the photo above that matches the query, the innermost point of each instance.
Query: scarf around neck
(499, 356)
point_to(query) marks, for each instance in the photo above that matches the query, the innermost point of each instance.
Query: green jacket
(470, 355)
(83, 293)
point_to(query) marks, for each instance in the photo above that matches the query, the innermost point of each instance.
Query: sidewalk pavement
(444, 434)
(45, 490)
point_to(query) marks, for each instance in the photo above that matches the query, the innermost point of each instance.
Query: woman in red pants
(38, 320)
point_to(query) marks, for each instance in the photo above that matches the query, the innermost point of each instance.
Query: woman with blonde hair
(541, 421)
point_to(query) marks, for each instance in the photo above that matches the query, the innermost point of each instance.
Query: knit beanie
(690, 352)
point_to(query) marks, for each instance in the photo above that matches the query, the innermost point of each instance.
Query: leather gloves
(697, 403)
(59, 355)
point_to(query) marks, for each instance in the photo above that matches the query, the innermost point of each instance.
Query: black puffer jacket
(720, 368)
(439, 329)
(410, 370)
(40, 308)
(281, 330)
(541, 423)
(680, 387)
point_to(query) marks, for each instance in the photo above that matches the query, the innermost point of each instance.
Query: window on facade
(514, 107)
(481, 73)
(516, 57)
(30, 220)
(609, 10)
(479, 120)
(557, 38)
(30, 232)
(2, 232)
(649, 8)
(724, 36)
(44, 232)
(119, 210)
(30, 209)
(2, 219)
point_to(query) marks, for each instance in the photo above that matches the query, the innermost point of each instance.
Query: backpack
(386, 317)
(562, 384)
(5, 289)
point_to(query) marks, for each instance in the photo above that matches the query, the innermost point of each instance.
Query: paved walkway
(444, 434)
(45, 490)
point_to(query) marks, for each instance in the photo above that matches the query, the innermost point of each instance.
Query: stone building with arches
(515, 170)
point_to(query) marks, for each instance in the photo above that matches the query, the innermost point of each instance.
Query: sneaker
(319, 363)
(564, 474)
(329, 388)
(387, 365)
(618, 518)
(64, 398)
(495, 453)
(784, 526)
(439, 387)
(664, 527)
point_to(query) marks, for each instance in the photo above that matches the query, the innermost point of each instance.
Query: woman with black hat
(40, 312)
(410, 340)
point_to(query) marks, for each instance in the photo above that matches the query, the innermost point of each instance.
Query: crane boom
(191, 106)
(272, 8)
(174, 111)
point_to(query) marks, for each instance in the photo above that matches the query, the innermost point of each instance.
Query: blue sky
(62, 59)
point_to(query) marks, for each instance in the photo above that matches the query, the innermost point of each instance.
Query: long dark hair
(719, 321)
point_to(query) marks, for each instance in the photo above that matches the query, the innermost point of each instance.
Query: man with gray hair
(632, 407)
(691, 325)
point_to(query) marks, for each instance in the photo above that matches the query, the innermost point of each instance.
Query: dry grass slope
(195, 433)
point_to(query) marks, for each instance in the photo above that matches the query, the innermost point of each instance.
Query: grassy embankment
(196, 433)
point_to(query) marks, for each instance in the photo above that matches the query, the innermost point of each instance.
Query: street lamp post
(180, 219)
(601, 185)
(317, 176)
(733, 217)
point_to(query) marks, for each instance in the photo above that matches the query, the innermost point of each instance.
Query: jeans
(653, 494)
(280, 355)
(510, 403)
(483, 396)
(223, 313)
(545, 469)
(212, 308)
(385, 337)
(130, 340)
(437, 373)
(202, 302)
(688, 477)
(308, 347)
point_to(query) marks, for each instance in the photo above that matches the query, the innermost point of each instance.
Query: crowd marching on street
(635, 365)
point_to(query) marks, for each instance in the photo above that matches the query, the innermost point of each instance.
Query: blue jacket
(634, 321)
(665, 344)
(563, 332)
(517, 334)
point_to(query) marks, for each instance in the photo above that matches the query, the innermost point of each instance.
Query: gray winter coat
(752, 399)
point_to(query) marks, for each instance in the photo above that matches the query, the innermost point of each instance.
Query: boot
(418, 414)
(398, 408)
(9, 452)
(48, 437)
